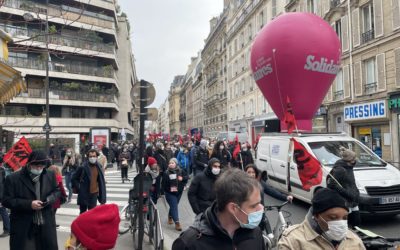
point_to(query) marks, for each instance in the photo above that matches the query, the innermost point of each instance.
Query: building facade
(174, 105)
(215, 61)
(248, 110)
(163, 118)
(362, 101)
(198, 88)
(87, 52)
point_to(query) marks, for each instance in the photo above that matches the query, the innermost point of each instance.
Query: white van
(231, 135)
(378, 181)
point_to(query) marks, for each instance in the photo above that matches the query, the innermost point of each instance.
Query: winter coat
(344, 174)
(2, 180)
(84, 173)
(183, 160)
(207, 233)
(201, 191)
(245, 157)
(124, 155)
(224, 157)
(167, 183)
(169, 154)
(161, 160)
(63, 196)
(19, 193)
(201, 158)
(192, 155)
(70, 164)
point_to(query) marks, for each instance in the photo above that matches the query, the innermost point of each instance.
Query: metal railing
(370, 88)
(66, 67)
(156, 235)
(338, 95)
(70, 95)
(241, 19)
(367, 36)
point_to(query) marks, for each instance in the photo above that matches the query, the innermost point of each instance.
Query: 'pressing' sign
(370, 110)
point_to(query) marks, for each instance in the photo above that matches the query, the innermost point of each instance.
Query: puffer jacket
(207, 233)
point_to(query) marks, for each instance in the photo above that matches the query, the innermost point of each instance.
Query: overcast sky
(165, 34)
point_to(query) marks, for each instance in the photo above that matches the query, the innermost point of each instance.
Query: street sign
(47, 127)
(150, 95)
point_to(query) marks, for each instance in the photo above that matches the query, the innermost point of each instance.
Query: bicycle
(271, 237)
(129, 214)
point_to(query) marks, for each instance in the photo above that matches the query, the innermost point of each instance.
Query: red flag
(180, 140)
(289, 117)
(236, 139)
(236, 151)
(308, 167)
(198, 136)
(17, 156)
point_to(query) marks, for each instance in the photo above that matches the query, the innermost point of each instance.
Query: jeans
(6, 219)
(173, 201)
(68, 177)
(124, 173)
(91, 203)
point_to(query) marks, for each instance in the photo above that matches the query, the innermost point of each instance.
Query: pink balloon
(297, 55)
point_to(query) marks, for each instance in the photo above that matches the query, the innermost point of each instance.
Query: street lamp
(46, 128)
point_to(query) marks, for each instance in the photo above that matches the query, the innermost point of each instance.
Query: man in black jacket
(341, 178)
(89, 182)
(30, 194)
(232, 221)
(201, 157)
(3, 210)
(201, 191)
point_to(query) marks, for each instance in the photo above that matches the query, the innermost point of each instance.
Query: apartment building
(163, 119)
(90, 71)
(215, 59)
(174, 101)
(198, 89)
(247, 108)
(363, 100)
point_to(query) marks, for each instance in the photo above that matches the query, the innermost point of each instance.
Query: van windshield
(328, 153)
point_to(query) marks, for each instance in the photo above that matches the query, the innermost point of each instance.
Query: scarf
(37, 216)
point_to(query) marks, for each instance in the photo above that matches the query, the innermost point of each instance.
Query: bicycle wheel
(124, 223)
(135, 230)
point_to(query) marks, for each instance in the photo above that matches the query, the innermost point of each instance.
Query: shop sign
(394, 103)
(365, 111)
(364, 131)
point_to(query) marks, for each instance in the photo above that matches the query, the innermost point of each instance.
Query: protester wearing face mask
(153, 169)
(201, 191)
(89, 183)
(325, 226)
(245, 155)
(201, 157)
(30, 194)
(124, 159)
(221, 153)
(70, 164)
(231, 222)
(173, 183)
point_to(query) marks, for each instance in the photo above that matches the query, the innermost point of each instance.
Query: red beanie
(97, 228)
(151, 161)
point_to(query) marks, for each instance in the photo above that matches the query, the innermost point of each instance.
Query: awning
(11, 82)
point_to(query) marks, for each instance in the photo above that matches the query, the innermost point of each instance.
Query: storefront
(369, 123)
(266, 123)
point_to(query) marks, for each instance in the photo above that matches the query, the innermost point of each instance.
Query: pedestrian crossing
(117, 193)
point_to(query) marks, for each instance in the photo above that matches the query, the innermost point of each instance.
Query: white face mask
(337, 229)
(221, 147)
(93, 160)
(215, 171)
(36, 171)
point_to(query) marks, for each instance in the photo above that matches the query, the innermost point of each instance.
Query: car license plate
(390, 199)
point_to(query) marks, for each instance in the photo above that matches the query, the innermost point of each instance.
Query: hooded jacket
(201, 191)
(207, 233)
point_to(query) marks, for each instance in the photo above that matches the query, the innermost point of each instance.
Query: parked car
(377, 180)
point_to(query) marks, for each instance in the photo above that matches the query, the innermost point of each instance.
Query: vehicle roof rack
(305, 134)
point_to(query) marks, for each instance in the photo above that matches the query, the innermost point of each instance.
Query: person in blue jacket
(183, 158)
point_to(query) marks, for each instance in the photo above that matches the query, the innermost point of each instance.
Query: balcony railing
(338, 95)
(63, 11)
(335, 3)
(58, 39)
(70, 95)
(241, 19)
(367, 36)
(212, 78)
(370, 88)
(66, 67)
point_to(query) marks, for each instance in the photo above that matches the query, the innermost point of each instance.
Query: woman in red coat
(63, 197)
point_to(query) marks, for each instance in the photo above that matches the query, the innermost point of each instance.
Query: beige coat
(302, 236)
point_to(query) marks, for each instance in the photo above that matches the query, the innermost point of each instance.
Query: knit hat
(212, 161)
(347, 154)
(174, 160)
(151, 161)
(97, 229)
(325, 199)
(38, 157)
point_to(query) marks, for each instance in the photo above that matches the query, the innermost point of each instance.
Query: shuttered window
(346, 81)
(397, 66)
(378, 15)
(345, 36)
(368, 23)
(355, 15)
(338, 87)
(396, 14)
(357, 79)
(370, 75)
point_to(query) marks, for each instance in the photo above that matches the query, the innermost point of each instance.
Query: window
(236, 46)
(312, 6)
(242, 86)
(370, 75)
(273, 8)
(243, 109)
(261, 19)
(368, 23)
(249, 32)
(241, 40)
(338, 95)
(251, 107)
(338, 29)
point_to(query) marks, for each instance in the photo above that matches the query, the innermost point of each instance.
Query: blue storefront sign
(362, 111)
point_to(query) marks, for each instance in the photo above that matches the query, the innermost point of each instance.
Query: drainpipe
(350, 51)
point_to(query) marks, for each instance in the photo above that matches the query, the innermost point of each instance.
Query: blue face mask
(253, 218)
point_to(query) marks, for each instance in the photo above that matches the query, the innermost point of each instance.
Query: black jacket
(201, 158)
(19, 192)
(207, 233)
(161, 160)
(344, 174)
(224, 156)
(81, 179)
(167, 183)
(201, 191)
(2, 180)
